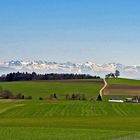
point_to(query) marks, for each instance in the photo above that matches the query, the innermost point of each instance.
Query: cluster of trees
(51, 97)
(67, 96)
(33, 76)
(6, 94)
(76, 97)
(113, 75)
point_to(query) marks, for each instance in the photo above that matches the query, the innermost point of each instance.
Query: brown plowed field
(117, 89)
(117, 86)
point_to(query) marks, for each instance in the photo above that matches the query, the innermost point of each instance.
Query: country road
(105, 85)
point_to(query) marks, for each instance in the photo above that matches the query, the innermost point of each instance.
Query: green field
(43, 89)
(66, 120)
(124, 81)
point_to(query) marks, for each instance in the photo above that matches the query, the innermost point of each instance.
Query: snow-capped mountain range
(69, 67)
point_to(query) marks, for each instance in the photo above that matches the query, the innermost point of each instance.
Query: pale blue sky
(70, 30)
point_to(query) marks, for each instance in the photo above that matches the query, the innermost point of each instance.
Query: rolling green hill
(43, 89)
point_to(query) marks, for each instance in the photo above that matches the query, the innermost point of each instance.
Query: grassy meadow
(123, 81)
(66, 120)
(38, 89)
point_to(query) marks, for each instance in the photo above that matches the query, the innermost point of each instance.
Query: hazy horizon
(77, 31)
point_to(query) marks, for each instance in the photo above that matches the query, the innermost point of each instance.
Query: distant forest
(33, 76)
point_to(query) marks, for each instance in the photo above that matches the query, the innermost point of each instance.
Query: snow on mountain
(69, 67)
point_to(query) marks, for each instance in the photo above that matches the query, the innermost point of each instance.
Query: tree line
(34, 76)
(73, 96)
